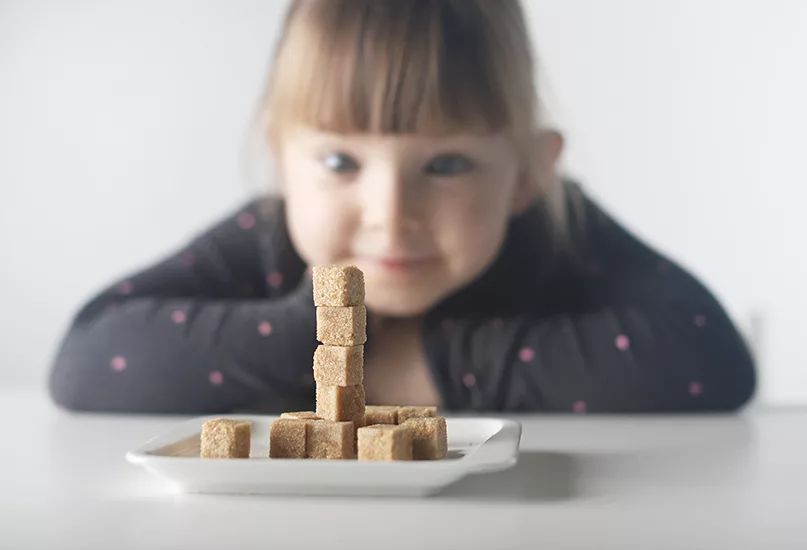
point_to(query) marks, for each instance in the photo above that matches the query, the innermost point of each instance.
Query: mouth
(397, 265)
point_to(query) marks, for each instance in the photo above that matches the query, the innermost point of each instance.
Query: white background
(124, 129)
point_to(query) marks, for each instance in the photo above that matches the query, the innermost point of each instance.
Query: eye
(449, 165)
(340, 163)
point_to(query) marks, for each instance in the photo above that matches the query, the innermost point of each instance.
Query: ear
(542, 159)
(550, 145)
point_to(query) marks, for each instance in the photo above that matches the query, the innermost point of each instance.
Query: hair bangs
(399, 67)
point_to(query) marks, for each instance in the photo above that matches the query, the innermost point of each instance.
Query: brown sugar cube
(339, 366)
(342, 326)
(226, 438)
(330, 440)
(303, 415)
(341, 403)
(383, 442)
(375, 414)
(338, 286)
(429, 438)
(405, 413)
(287, 438)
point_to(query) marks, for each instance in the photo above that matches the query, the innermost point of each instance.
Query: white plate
(475, 445)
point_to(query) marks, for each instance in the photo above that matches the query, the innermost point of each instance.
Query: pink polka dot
(246, 220)
(274, 279)
(580, 407)
(498, 324)
(700, 321)
(188, 259)
(179, 317)
(265, 328)
(118, 363)
(622, 342)
(695, 389)
(448, 323)
(216, 378)
(469, 380)
(526, 355)
(126, 287)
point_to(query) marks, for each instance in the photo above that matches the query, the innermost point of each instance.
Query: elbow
(72, 384)
(736, 387)
(64, 396)
(65, 399)
(75, 382)
(746, 379)
(69, 385)
(714, 366)
(87, 376)
(730, 378)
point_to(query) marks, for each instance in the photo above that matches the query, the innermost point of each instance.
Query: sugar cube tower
(343, 426)
(342, 330)
(330, 432)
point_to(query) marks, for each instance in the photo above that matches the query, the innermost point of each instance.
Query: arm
(634, 334)
(197, 333)
(615, 359)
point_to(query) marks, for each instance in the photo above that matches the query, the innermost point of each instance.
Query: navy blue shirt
(603, 323)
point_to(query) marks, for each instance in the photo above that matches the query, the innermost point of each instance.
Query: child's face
(420, 216)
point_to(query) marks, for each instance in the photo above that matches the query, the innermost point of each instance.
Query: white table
(621, 483)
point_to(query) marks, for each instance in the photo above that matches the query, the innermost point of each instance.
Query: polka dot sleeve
(614, 360)
(211, 329)
(620, 329)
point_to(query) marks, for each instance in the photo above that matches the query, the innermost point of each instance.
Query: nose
(390, 205)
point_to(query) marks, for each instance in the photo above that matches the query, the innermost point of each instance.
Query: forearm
(616, 359)
(191, 356)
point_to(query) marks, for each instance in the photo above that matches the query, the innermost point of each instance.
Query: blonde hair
(408, 67)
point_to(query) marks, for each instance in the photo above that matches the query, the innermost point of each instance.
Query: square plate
(475, 446)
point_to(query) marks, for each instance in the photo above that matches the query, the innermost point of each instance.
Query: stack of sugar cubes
(330, 432)
(342, 331)
(343, 427)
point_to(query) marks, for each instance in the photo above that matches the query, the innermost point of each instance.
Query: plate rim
(484, 458)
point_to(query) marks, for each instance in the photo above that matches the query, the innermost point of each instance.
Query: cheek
(320, 226)
(471, 227)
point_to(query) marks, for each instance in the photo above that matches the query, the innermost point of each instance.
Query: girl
(408, 142)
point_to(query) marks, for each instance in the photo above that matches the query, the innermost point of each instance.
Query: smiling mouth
(398, 265)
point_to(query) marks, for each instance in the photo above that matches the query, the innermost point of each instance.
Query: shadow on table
(537, 477)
